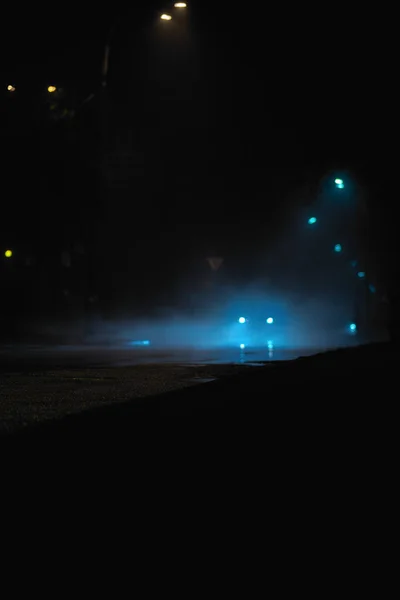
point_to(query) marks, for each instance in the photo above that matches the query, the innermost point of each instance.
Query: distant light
(353, 263)
(372, 288)
(338, 247)
(339, 183)
(242, 346)
(8, 253)
(11, 88)
(242, 320)
(140, 343)
(180, 5)
(353, 327)
(270, 320)
(361, 274)
(165, 17)
(270, 345)
(340, 186)
(51, 89)
(312, 220)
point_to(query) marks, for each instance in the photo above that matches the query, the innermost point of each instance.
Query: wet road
(49, 357)
(42, 383)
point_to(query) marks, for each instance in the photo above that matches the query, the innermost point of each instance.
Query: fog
(300, 321)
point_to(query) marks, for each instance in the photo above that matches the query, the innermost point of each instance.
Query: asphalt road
(110, 387)
(44, 383)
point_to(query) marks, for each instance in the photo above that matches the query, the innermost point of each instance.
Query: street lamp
(180, 5)
(8, 253)
(165, 17)
(51, 89)
(11, 88)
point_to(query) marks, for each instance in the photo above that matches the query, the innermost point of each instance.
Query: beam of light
(338, 247)
(165, 17)
(241, 320)
(270, 320)
(312, 220)
(8, 253)
(11, 88)
(361, 274)
(51, 89)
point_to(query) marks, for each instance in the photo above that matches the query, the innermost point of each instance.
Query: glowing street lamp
(165, 17)
(51, 89)
(8, 253)
(180, 5)
(11, 88)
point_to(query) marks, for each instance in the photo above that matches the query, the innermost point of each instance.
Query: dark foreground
(346, 388)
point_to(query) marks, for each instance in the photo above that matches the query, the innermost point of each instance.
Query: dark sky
(254, 103)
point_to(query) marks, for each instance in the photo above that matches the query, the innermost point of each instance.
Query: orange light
(51, 89)
(11, 88)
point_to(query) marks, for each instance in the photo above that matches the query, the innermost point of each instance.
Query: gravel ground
(29, 398)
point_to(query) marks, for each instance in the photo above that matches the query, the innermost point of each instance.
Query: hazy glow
(270, 345)
(372, 288)
(51, 89)
(270, 320)
(11, 88)
(242, 346)
(353, 327)
(165, 17)
(180, 5)
(338, 248)
(339, 181)
(361, 274)
(242, 320)
(312, 220)
(8, 253)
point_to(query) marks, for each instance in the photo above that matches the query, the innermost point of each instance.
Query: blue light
(270, 345)
(242, 346)
(361, 274)
(372, 288)
(140, 343)
(353, 327)
(339, 183)
(270, 320)
(241, 320)
(338, 247)
(312, 220)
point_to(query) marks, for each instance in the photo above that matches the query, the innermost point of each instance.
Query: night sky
(229, 119)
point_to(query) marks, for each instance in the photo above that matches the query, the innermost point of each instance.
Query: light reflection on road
(78, 356)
